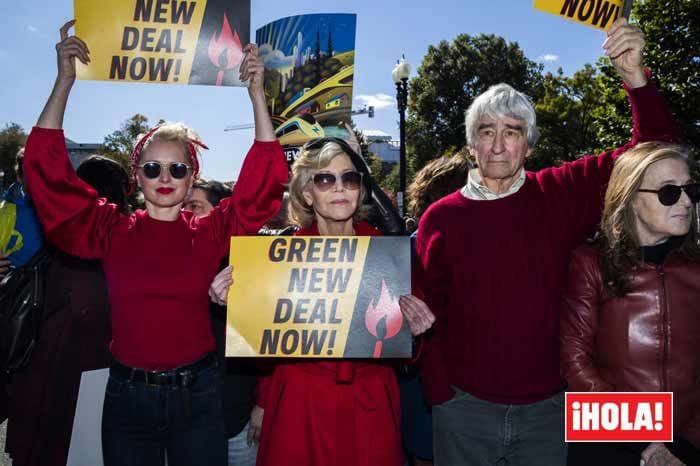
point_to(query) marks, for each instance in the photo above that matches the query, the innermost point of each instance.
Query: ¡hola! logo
(619, 417)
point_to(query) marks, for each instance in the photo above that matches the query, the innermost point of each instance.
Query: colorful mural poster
(321, 297)
(165, 42)
(309, 66)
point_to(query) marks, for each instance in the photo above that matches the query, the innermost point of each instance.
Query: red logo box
(619, 417)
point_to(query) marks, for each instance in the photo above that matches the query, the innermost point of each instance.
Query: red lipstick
(165, 190)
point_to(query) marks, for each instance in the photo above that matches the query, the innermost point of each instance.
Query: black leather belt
(184, 376)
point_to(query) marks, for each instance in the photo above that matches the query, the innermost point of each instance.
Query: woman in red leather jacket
(630, 318)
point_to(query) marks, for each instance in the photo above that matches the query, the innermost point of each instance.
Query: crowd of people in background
(525, 284)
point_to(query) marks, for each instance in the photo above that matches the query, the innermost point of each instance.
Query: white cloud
(274, 59)
(548, 57)
(31, 28)
(376, 100)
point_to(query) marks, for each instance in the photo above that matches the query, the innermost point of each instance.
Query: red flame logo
(384, 319)
(225, 51)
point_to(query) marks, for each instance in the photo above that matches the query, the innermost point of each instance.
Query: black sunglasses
(670, 194)
(151, 169)
(350, 181)
(355, 158)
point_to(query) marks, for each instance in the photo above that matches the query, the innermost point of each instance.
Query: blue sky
(385, 30)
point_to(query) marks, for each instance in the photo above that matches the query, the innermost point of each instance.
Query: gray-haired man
(491, 261)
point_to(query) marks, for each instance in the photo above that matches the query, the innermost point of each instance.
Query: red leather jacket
(647, 340)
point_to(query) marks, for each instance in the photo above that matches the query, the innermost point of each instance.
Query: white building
(78, 151)
(381, 144)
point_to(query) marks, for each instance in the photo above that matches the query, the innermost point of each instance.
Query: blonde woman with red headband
(164, 390)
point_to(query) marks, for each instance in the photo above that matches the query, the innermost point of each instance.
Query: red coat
(330, 412)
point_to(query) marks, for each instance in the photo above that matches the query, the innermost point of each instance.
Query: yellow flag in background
(595, 13)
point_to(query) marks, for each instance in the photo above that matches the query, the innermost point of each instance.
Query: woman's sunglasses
(151, 169)
(350, 181)
(670, 193)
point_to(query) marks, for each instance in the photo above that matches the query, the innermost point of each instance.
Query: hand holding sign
(70, 48)
(252, 70)
(624, 46)
(218, 290)
(420, 317)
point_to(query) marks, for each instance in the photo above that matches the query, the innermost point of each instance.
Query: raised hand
(624, 46)
(70, 48)
(253, 69)
(67, 50)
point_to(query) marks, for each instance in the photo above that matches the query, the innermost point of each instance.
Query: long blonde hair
(310, 160)
(619, 244)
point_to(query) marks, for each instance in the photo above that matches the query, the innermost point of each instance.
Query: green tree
(565, 118)
(672, 52)
(120, 143)
(12, 138)
(375, 165)
(450, 76)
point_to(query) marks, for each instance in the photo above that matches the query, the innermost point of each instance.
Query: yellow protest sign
(596, 13)
(163, 41)
(318, 297)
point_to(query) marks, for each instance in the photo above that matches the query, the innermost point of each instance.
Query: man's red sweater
(493, 271)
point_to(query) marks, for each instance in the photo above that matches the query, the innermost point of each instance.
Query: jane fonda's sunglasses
(151, 169)
(351, 180)
(670, 194)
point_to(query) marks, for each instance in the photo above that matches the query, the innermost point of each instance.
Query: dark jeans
(141, 422)
(468, 431)
(416, 419)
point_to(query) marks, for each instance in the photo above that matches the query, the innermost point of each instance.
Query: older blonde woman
(630, 319)
(331, 412)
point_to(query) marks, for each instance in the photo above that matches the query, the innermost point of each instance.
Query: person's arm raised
(624, 46)
(253, 71)
(68, 50)
(73, 217)
(257, 195)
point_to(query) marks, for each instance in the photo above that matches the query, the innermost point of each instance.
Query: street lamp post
(400, 76)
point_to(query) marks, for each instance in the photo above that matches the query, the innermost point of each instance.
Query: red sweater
(493, 272)
(158, 273)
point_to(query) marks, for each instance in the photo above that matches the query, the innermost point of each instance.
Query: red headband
(192, 151)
